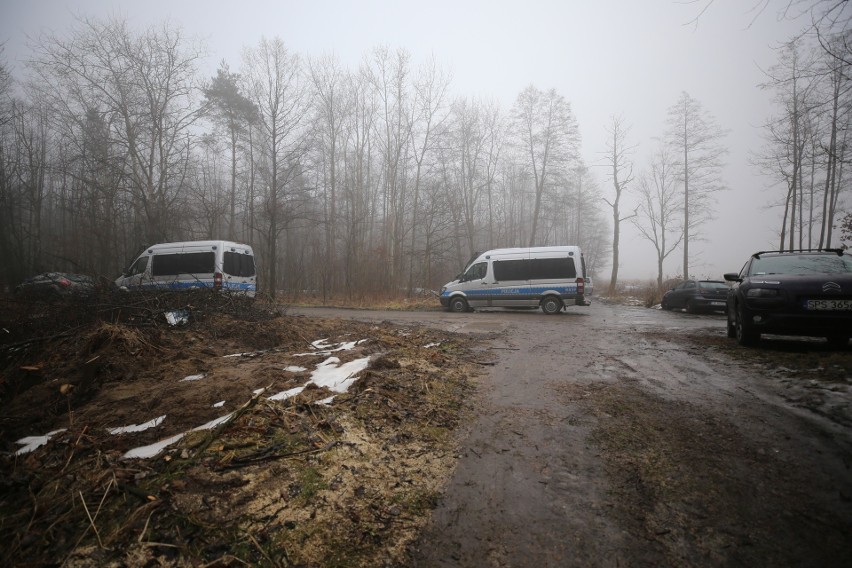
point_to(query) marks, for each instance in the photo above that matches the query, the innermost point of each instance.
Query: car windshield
(711, 285)
(801, 264)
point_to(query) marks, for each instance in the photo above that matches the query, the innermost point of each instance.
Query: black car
(56, 284)
(804, 292)
(696, 296)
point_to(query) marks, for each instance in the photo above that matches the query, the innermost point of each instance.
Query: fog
(614, 57)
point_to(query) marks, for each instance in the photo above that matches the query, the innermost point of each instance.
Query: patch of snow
(294, 369)
(326, 401)
(335, 377)
(30, 443)
(246, 354)
(146, 452)
(193, 377)
(329, 348)
(219, 404)
(430, 345)
(284, 395)
(137, 427)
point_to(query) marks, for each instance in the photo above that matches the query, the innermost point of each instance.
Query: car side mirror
(732, 276)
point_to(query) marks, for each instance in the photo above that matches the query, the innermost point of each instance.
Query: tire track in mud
(621, 436)
(603, 442)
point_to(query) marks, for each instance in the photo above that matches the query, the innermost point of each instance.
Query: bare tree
(428, 122)
(332, 103)
(618, 161)
(234, 112)
(549, 138)
(389, 76)
(788, 135)
(659, 208)
(694, 135)
(144, 85)
(274, 84)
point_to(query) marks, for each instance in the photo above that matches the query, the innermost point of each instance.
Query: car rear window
(801, 264)
(712, 286)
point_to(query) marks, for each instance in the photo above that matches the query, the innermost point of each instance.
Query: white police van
(545, 277)
(220, 265)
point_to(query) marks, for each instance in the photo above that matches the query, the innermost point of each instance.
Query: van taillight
(217, 281)
(581, 286)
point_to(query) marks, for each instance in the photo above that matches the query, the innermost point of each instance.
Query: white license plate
(717, 303)
(844, 305)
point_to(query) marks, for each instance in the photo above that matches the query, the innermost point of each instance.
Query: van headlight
(443, 289)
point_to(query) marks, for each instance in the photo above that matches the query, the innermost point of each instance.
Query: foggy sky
(631, 58)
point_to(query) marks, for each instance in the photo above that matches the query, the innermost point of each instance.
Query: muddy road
(622, 436)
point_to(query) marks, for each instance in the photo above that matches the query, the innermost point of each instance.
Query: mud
(623, 436)
(607, 435)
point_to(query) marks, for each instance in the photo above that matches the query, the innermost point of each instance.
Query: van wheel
(458, 305)
(551, 305)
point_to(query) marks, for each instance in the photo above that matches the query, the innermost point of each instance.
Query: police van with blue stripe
(547, 277)
(220, 265)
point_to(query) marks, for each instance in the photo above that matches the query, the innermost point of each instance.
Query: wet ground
(623, 436)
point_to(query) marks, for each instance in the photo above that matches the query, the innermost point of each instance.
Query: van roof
(198, 244)
(531, 250)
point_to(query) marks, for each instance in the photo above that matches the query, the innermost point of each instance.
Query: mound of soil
(253, 459)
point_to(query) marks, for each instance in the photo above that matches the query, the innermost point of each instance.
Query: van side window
(477, 271)
(183, 263)
(238, 264)
(511, 270)
(138, 267)
(544, 268)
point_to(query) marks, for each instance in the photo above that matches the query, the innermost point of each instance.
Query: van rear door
(239, 273)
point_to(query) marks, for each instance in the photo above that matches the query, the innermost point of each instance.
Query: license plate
(837, 305)
(717, 303)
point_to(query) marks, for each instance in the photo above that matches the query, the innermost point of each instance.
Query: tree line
(345, 181)
(376, 179)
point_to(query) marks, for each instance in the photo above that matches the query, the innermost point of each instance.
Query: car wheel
(665, 305)
(458, 305)
(690, 307)
(838, 341)
(732, 326)
(551, 305)
(746, 335)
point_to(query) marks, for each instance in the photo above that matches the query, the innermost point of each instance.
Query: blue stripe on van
(187, 285)
(517, 291)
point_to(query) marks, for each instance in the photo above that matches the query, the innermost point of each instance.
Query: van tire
(551, 305)
(459, 305)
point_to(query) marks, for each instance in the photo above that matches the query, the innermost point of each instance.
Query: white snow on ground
(329, 374)
(30, 443)
(325, 349)
(294, 369)
(193, 377)
(430, 345)
(137, 427)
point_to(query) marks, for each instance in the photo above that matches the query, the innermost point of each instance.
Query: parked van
(221, 265)
(546, 277)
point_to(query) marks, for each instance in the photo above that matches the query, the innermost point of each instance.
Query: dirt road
(621, 436)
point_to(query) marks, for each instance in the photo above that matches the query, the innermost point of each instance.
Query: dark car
(56, 284)
(696, 296)
(805, 292)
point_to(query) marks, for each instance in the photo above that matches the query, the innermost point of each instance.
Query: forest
(378, 179)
